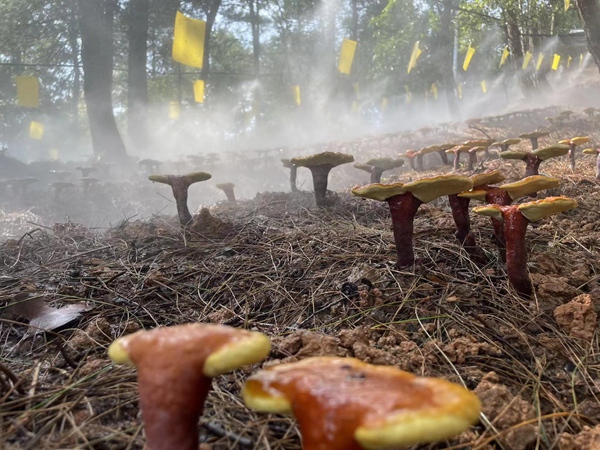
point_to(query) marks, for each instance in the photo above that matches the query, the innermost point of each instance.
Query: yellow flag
(188, 41)
(527, 60)
(174, 110)
(468, 57)
(416, 52)
(199, 91)
(504, 57)
(408, 94)
(356, 87)
(28, 91)
(384, 103)
(296, 93)
(569, 61)
(567, 4)
(36, 130)
(539, 62)
(434, 91)
(556, 61)
(347, 56)
(484, 87)
(581, 61)
(459, 90)
(354, 107)
(53, 154)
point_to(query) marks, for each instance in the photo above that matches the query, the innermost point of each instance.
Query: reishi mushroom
(228, 189)
(534, 137)
(174, 370)
(320, 165)
(404, 201)
(505, 144)
(515, 219)
(180, 184)
(457, 151)
(347, 404)
(293, 173)
(594, 151)
(376, 167)
(505, 195)
(535, 158)
(573, 143)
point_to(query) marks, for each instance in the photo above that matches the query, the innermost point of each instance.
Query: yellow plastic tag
(539, 62)
(53, 154)
(199, 91)
(567, 4)
(188, 41)
(468, 58)
(174, 110)
(28, 91)
(434, 91)
(569, 59)
(347, 56)
(527, 60)
(505, 55)
(484, 87)
(459, 90)
(36, 130)
(297, 96)
(556, 61)
(416, 52)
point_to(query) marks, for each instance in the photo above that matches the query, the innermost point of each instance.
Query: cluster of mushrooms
(339, 403)
(509, 220)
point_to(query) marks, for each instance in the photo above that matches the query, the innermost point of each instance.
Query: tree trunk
(96, 26)
(446, 56)
(137, 79)
(515, 45)
(73, 34)
(589, 10)
(255, 25)
(211, 16)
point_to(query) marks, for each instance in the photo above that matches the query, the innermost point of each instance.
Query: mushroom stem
(534, 143)
(184, 392)
(598, 167)
(403, 208)
(515, 228)
(572, 155)
(319, 176)
(179, 186)
(460, 214)
(444, 157)
(472, 161)
(456, 164)
(293, 175)
(497, 196)
(376, 173)
(420, 166)
(532, 166)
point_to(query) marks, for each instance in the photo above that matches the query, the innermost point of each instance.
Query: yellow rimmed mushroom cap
(579, 140)
(428, 189)
(459, 149)
(477, 149)
(487, 178)
(190, 178)
(534, 134)
(225, 185)
(385, 163)
(590, 151)
(379, 191)
(447, 146)
(364, 167)
(540, 209)
(476, 194)
(479, 142)
(493, 211)
(216, 348)
(551, 151)
(529, 185)
(322, 159)
(341, 402)
(514, 154)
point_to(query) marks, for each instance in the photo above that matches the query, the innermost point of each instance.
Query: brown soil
(318, 282)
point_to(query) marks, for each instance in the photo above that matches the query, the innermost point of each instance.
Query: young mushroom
(293, 173)
(459, 204)
(535, 158)
(442, 152)
(174, 370)
(421, 153)
(380, 165)
(515, 219)
(573, 143)
(347, 404)
(228, 189)
(457, 151)
(180, 184)
(505, 195)
(404, 201)
(320, 165)
(473, 155)
(505, 144)
(534, 137)
(410, 155)
(594, 151)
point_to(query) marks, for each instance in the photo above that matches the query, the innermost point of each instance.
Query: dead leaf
(45, 318)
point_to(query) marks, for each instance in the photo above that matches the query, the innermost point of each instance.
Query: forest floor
(317, 282)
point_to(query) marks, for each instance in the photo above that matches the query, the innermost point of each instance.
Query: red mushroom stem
(515, 229)
(444, 157)
(420, 166)
(403, 208)
(293, 176)
(532, 164)
(172, 431)
(460, 214)
(376, 173)
(572, 146)
(497, 196)
(319, 176)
